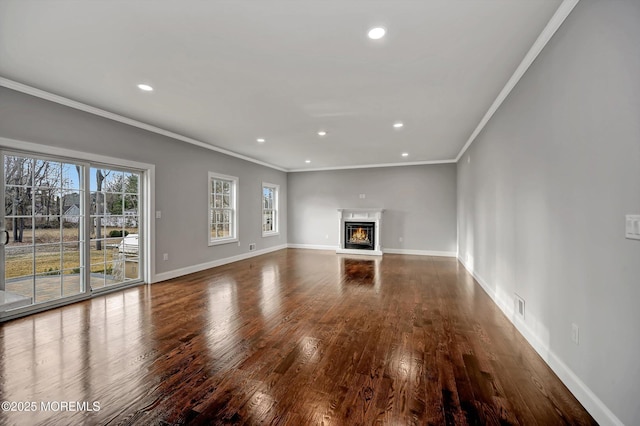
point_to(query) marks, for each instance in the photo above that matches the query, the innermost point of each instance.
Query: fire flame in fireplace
(359, 236)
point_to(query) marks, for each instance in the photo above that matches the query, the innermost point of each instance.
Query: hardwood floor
(296, 337)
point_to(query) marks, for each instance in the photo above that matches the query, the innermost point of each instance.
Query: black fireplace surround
(359, 235)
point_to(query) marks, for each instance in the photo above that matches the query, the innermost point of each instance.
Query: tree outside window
(222, 208)
(269, 209)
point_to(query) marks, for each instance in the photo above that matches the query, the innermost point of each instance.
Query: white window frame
(233, 207)
(275, 209)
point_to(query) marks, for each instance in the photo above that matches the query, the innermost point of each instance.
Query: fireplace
(360, 231)
(359, 235)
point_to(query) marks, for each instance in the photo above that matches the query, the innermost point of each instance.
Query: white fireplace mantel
(360, 215)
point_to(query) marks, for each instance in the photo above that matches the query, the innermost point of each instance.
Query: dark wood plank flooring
(295, 337)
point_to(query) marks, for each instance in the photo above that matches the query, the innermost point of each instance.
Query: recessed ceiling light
(405, 154)
(376, 33)
(322, 133)
(261, 140)
(398, 124)
(307, 161)
(145, 87)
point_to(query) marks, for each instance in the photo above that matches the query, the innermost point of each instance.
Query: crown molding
(39, 93)
(552, 26)
(19, 87)
(373, 166)
(549, 30)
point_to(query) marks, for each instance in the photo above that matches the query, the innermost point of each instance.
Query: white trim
(552, 26)
(276, 209)
(220, 241)
(71, 154)
(360, 252)
(600, 412)
(384, 250)
(234, 207)
(374, 166)
(41, 307)
(355, 212)
(213, 264)
(14, 85)
(312, 247)
(42, 94)
(149, 247)
(420, 252)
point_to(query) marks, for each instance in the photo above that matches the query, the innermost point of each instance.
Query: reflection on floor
(294, 337)
(359, 271)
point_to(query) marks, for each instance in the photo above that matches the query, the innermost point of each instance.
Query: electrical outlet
(165, 256)
(575, 333)
(363, 195)
(632, 226)
(158, 214)
(519, 306)
(252, 246)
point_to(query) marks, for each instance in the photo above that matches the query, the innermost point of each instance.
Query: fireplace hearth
(360, 231)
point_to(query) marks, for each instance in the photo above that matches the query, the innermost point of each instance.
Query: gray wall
(181, 175)
(419, 203)
(542, 202)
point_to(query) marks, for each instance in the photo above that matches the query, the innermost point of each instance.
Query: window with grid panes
(269, 209)
(222, 208)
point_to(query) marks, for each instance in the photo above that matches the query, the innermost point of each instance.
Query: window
(269, 209)
(222, 209)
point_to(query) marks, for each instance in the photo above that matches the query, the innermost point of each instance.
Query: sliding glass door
(66, 229)
(44, 238)
(115, 224)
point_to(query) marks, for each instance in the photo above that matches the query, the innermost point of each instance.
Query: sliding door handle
(6, 240)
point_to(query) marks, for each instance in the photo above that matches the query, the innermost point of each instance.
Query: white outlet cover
(575, 334)
(632, 227)
(519, 305)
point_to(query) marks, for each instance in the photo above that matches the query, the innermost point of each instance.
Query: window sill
(222, 241)
(270, 234)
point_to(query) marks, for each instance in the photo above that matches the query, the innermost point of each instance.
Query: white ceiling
(228, 72)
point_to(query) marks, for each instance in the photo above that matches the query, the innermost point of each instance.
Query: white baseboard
(311, 247)
(420, 252)
(384, 250)
(600, 412)
(359, 252)
(208, 265)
